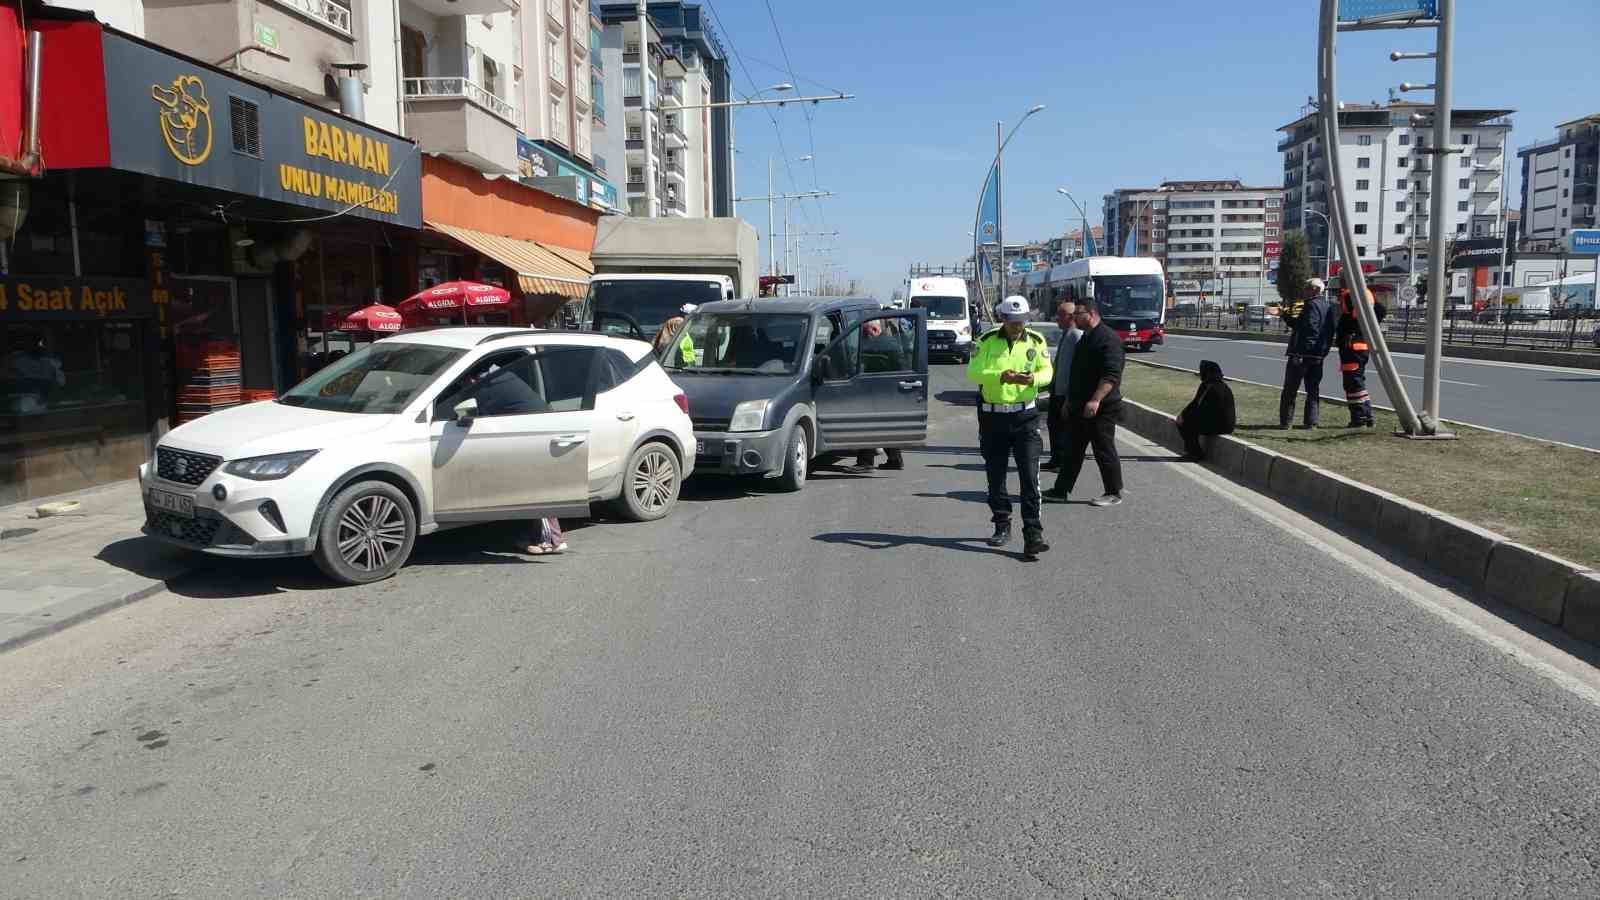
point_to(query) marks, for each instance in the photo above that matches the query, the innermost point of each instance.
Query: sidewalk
(60, 570)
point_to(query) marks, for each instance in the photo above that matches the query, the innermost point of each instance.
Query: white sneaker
(1106, 500)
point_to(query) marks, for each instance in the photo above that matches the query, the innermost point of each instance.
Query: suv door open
(872, 389)
(510, 437)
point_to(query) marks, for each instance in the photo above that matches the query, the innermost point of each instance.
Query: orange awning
(540, 268)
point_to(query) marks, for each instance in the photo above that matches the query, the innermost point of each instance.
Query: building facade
(1560, 181)
(678, 148)
(1217, 240)
(1388, 166)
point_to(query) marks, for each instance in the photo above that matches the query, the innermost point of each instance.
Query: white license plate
(700, 447)
(939, 346)
(178, 504)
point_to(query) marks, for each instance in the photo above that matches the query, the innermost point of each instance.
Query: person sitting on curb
(1210, 412)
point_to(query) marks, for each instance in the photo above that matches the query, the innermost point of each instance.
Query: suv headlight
(269, 468)
(749, 416)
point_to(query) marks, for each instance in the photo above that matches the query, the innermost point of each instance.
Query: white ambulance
(949, 315)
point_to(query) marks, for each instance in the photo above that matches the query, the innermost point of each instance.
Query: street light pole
(1438, 273)
(1327, 261)
(978, 225)
(999, 212)
(1083, 243)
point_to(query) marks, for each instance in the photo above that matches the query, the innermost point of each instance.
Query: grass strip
(1543, 495)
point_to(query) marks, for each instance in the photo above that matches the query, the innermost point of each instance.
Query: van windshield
(738, 343)
(942, 307)
(621, 306)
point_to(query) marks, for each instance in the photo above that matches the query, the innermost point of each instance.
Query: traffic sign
(1584, 241)
(1408, 293)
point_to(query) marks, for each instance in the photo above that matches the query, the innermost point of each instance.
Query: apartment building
(1560, 178)
(1386, 160)
(1215, 239)
(678, 150)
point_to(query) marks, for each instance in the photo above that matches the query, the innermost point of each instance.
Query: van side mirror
(465, 412)
(822, 369)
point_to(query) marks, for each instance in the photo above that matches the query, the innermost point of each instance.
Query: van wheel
(367, 533)
(796, 459)
(651, 484)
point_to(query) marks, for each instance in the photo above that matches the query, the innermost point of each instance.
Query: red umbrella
(375, 318)
(455, 295)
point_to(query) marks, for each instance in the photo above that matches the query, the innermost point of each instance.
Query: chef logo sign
(185, 118)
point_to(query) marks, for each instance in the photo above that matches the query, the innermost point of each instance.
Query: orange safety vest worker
(1353, 355)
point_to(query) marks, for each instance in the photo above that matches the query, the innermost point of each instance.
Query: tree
(1294, 267)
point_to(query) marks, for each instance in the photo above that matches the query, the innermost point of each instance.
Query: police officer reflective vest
(996, 354)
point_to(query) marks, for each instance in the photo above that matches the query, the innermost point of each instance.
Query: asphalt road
(836, 693)
(1555, 403)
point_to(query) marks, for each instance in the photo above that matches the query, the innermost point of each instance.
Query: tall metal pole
(1438, 273)
(647, 104)
(999, 213)
(786, 269)
(1355, 279)
(772, 248)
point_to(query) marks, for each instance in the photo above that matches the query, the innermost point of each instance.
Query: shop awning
(540, 268)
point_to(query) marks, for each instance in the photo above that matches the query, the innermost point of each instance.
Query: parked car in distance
(427, 429)
(773, 384)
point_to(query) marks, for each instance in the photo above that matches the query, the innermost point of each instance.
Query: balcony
(671, 96)
(457, 118)
(440, 8)
(674, 133)
(674, 167)
(323, 12)
(557, 11)
(558, 74)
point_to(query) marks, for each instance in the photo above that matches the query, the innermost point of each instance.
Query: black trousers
(1191, 440)
(1300, 370)
(1101, 433)
(1056, 423)
(1003, 437)
(1353, 366)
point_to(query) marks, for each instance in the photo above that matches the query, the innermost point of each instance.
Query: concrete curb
(1568, 358)
(61, 616)
(1492, 566)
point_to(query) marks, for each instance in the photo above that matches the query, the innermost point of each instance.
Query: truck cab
(636, 305)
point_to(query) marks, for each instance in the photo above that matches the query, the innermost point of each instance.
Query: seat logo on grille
(180, 467)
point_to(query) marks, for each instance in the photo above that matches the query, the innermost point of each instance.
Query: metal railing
(334, 15)
(1577, 328)
(459, 88)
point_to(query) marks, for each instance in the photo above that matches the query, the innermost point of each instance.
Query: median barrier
(1488, 564)
(1581, 612)
(1528, 579)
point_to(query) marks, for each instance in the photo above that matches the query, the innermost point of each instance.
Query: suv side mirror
(822, 369)
(465, 412)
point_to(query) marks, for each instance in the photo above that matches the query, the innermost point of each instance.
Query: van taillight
(683, 402)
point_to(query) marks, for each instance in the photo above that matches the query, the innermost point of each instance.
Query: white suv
(421, 431)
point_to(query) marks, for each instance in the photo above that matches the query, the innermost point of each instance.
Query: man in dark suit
(1094, 404)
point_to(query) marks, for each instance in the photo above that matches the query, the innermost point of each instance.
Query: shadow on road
(878, 541)
(145, 557)
(964, 496)
(963, 467)
(958, 398)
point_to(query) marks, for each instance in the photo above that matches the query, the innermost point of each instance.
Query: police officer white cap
(1013, 309)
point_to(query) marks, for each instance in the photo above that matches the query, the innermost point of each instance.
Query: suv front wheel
(367, 533)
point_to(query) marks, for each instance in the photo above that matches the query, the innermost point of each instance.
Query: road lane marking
(1444, 380)
(1534, 653)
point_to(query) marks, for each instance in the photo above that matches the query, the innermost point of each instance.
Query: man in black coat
(1210, 412)
(1094, 404)
(1311, 337)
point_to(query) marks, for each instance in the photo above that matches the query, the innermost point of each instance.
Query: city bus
(1130, 290)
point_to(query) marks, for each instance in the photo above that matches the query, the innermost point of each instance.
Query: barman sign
(176, 118)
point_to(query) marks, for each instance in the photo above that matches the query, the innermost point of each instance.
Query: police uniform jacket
(996, 354)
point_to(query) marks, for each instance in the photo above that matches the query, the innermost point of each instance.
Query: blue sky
(1136, 91)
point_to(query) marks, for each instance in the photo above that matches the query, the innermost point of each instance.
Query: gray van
(774, 384)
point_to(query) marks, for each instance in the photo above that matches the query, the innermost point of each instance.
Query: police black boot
(1033, 543)
(1002, 535)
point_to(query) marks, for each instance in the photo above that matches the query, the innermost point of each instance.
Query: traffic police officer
(1353, 355)
(1010, 364)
